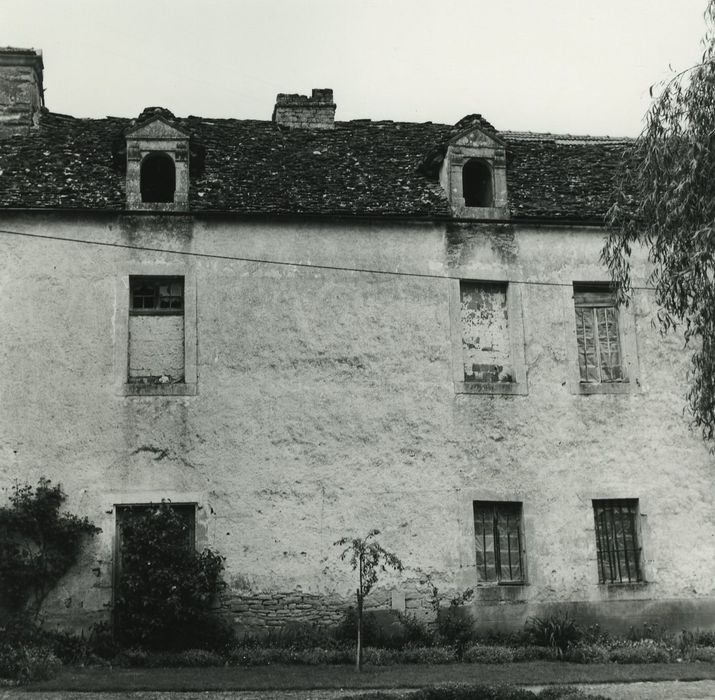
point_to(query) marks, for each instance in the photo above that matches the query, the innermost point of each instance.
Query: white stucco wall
(325, 406)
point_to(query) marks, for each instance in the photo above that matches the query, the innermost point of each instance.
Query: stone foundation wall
(270, 610)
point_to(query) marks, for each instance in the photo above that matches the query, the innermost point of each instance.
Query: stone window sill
(178, 389)
(625, 586)
(464, 212)
(508, 388)
(587, 389)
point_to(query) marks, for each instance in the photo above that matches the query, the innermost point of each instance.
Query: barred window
(499, 541)
(617, 541)
(599, 349)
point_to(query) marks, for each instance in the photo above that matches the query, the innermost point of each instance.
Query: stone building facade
(303, 329)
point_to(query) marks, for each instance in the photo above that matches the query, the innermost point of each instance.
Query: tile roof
(360, 168)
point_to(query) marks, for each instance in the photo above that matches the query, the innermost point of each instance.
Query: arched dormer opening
(157, 178)
(477, 187)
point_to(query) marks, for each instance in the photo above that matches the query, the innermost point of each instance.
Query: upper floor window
(486, 344)
(597, 333)
(477, 186)
(156, 330)
(158, 178)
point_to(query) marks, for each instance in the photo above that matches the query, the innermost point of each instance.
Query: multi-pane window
(599, 349)
(156, 329)
(486, 345)
(499, 541)
(156, 295)
(617, 541)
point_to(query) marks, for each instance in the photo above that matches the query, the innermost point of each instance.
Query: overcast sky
(566, 66)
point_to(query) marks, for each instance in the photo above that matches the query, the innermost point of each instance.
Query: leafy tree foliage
(166, 588)
(367, 557)
(38, 545)
(666, 201)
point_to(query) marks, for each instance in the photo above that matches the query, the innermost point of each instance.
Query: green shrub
(702, 654)
(645, 651)
(703, 638)
(427, 655)
(132, 658)
(454, 623)
(379, 657)
(650, 630)
(556, 631)
(513, 639)
(263, 656)
(69, 648)
(166, 589)
(38, 544)
(585, 653)
(101, 642)
(482, 654)
(25, 663)
(533, 653)
(320, 656)
(485, 692)
(346, 629)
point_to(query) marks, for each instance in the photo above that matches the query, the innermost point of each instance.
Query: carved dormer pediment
(473, 171)
(157, 163)
(157, 128)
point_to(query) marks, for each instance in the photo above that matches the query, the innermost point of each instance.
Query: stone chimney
(21, 93)
(302, 112)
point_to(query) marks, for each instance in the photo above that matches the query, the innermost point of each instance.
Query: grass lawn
(407, 676)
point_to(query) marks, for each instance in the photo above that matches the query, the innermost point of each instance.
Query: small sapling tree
(38, 545)
(367, 557)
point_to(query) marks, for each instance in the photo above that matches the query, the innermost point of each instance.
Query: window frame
(156, 280)
(591, 308)
(122, 312)
(494, 506)
(516, 337)
(627, 339)
(609, 556)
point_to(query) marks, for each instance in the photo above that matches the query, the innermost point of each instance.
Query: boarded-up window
(599, 348)
(156, 329)
(486, 346)
(499, 541)
(617, 540)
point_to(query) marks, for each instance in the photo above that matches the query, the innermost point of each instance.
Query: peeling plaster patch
(485, 333)
(502, 241)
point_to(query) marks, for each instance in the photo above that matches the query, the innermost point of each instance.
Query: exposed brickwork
(262, 611)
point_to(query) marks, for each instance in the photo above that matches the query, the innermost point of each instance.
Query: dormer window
(158, 178)
(473, 171)
(477, 183)
(157, 163)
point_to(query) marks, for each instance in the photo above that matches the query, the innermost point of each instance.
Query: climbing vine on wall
(38, 545)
